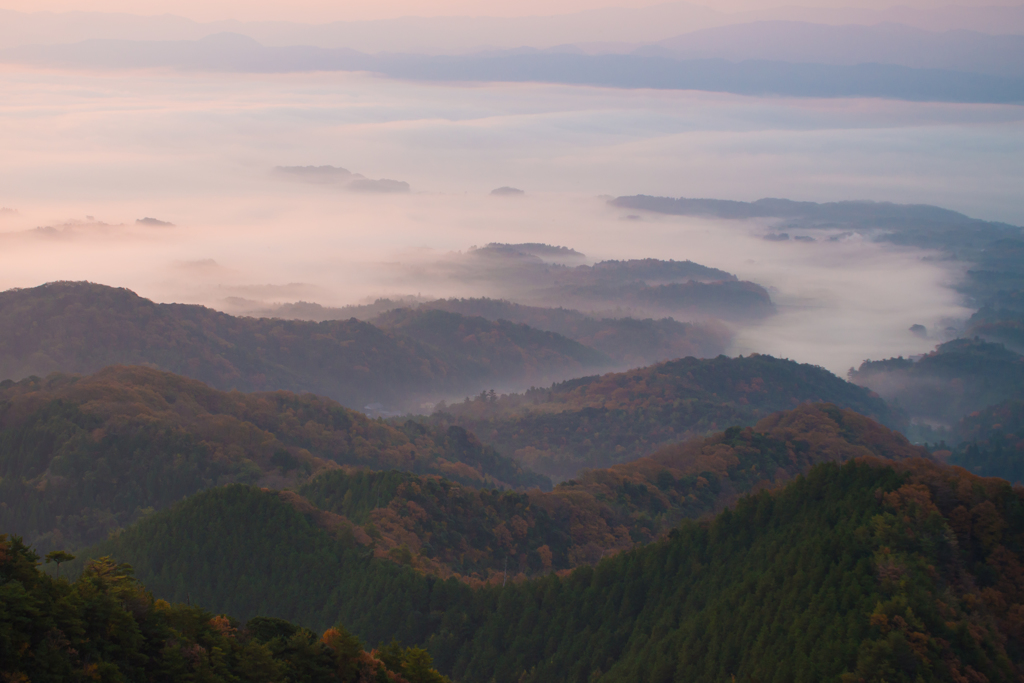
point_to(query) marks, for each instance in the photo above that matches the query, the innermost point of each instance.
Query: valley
(445, 342)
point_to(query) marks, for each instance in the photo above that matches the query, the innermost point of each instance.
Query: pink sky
(336, 10)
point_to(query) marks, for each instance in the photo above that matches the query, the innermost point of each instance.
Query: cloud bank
(197, 151)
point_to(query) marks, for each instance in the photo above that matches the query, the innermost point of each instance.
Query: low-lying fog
(86, 155)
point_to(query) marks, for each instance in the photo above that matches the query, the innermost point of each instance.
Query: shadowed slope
(81, 457)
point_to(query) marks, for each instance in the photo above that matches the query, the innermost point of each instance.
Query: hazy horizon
(603, 27)
(320, 11)
(197, 150)
(192, 142)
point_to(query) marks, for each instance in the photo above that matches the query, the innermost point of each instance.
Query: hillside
(105, 626)
(82, 327)
(602, 420)
(501, 349)
(683, 290)
(868, 571)
(543, 276)
(81, 457)
(957, 379)
(627, 341)
(1002, 322)
(859, 573)
(991, 441)
(445, 529)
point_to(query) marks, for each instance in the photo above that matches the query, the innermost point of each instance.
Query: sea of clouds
(88, 154)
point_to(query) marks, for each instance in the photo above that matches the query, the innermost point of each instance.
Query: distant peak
(533, 249)
(154, 222)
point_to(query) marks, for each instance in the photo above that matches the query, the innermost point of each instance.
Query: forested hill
(645, 287)
(602, 420)
(446, 530)
(958, 378)
(81, 457)
(867, 571)
(82, 327)
(991, 441)
(506, 349)
(105, 626)
(631, 342)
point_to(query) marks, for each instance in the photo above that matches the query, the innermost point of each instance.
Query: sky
(318, 11)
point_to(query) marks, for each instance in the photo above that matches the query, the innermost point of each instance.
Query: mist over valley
(401, 344)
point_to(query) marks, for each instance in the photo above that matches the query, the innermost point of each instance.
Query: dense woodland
(868, 571)
(445, 529)
(105, 626)
(86, 456)
(993, 441)
(598, 421)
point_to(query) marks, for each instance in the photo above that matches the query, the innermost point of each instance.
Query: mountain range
(656, 67)
(602, 420)
(593, 29)
(629, 341)
(82, 327)
(209, 505)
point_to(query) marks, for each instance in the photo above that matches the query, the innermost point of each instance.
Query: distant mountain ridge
(897, 218)
(82, 327)
(627, 341)
(955, 380)
(547, 288)
(599, 421)
(457, 35)
(991, 249)
(759, 77)
(884, 43)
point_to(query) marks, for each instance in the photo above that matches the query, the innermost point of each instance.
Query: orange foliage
(605, 511)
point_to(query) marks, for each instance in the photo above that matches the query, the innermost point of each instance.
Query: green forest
(866, 571)
(105, 626)
(479, 537)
